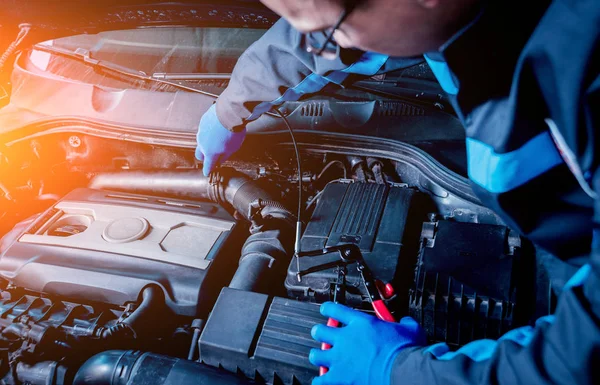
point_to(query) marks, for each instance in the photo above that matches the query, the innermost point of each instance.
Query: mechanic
(525, 81)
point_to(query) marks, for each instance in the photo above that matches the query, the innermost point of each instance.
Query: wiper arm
(83, 56)
(189, 76)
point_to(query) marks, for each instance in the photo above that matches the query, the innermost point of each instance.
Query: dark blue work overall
(525, 79)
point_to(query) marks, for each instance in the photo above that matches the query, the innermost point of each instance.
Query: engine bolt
(74, 141)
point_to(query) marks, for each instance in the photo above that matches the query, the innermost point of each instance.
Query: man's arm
(561, 349)
(269, 67)
(275, 69)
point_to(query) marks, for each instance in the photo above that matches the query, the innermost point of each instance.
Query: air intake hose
(224, 186)
(118, 367)
(266, 253)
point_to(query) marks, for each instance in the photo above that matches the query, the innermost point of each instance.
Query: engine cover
(100, 246)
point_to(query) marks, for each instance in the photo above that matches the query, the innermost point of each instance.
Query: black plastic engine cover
(107, 247)
(267, 339)
(384, 221)
(465, 284)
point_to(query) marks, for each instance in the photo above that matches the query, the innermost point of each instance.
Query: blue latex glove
(363, 350)
(215, 142)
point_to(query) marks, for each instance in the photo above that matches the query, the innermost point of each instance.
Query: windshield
(168, 50)
(200, 58)
(167, 53)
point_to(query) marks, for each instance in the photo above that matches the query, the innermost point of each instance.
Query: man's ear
(428, 3)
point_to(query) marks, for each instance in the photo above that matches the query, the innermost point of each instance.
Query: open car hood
(54, 19)
(38, 99)
(57, 18)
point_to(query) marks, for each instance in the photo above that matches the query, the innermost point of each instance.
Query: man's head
(392, 27)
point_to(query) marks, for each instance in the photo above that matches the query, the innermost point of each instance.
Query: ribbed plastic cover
(381, 219)
(465, 283)
(265, 339)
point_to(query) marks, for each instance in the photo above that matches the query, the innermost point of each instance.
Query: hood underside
(56, 18)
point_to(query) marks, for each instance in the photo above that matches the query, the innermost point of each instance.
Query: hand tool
(339, 295)
(350, 254)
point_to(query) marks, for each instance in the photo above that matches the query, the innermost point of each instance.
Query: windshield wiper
(190, 76)
(83, 56)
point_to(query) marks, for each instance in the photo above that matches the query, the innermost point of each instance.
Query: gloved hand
(215, 142)
(363, 350)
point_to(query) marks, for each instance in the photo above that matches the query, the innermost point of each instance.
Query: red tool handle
(382, 312)
(385, 289)
(334, 324)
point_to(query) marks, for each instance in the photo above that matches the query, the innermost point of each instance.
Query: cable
(329, 165)
(320, 193)
(314, 199)
(298, 160)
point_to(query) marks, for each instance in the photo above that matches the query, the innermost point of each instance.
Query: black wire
(289, 127)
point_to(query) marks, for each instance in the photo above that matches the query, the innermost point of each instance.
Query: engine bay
(124, 254)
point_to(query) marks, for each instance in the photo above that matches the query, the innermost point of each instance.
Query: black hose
(359, 168)
(139, 322)
(190, 184)
(224, 186)
(152, 307)
(118, 367)
(265, 254)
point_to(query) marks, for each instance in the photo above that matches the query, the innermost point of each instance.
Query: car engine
(159, 275)
(92, 237)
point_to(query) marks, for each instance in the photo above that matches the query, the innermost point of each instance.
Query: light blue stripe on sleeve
(443, 75)
(312, 83)
(368, 64)
(579, 277)
(498, 173)
(481, 350)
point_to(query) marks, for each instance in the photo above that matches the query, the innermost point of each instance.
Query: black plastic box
(382, 220)
(266, 339)
(465, 283)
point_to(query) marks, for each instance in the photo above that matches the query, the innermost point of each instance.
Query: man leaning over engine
(525, 81)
